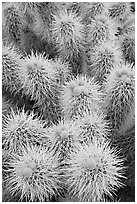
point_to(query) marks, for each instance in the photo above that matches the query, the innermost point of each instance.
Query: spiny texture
(94, 9)
(77, 7)
(119, 10)
(7, 106)
(101, 29)
(126, 142)
(92, 126)
(120, 95)
(11, 22)
(63, 139)
(103, 58)
(41, 27)
(68, 34)
(20, 129)
(28, 10)
(127, 45)
(33, 176)
(63, 71)
(80, 96)
(43, 18)
(94, 172)
(128, 26)
(40, 85)
(11, 65)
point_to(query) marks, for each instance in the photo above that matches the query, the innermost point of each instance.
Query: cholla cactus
(119, 10)
(103, 58)
(80, 96)
(93, 126)
(68, 34)
(126, 142)
(101, 29)
(42, 20)
(120, 95)
(34, 175)
(41, 28)
(63, 71)
(21, 129)
(127, 44)
(38, 76)
(12, 22)
(128, 26)
(11, 65)
(62, 139)
(94, 9)
(28, 10)
(7, 107)
(94, 172)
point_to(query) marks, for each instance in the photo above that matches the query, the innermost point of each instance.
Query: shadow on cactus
(80, 96)
(93, 172)
(33, 176)
(20, 129)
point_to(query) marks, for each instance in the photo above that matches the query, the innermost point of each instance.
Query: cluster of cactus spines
(40, 84)
(101, 29)
(94, 9)
(42, 20)
(103, 58)
(93, 126)
(127, 45)
(12, 22)
(41, 28)
(11, 65)
(128, 26)
(68, 34)
(120, 94)
(80, 96)
(63, 139)
(126, 142)
(119, 10)
(20, 129)
(7, 107)
(28, 10)
(34, 175)
(94, 171)
(63, 71)
(129, 121)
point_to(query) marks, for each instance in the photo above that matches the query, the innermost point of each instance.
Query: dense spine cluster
(21, 129)
(34, 175)
(68, 34)
(39, 83)
(80, 96)
(11, 65)
(93, 172)
(120, 95)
